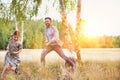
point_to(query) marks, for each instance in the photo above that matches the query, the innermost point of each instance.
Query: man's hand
(48, 43)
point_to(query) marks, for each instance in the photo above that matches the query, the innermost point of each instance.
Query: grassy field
(96, 64)
(56, 71)
(87, 54)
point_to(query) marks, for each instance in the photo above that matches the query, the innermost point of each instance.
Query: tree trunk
(78, 29)
(20, 29)
(16, 25)
(78, 18)
(74, 42)
(64, 21)
(22, 32)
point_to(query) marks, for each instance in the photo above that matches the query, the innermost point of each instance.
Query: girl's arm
(7, 48)
(20, 49)
(16, 52)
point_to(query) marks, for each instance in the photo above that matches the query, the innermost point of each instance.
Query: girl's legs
(13, 68)
(7, 66)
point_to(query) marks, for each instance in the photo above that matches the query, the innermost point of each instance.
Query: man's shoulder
(54, 27)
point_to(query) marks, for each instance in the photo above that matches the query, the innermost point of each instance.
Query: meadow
(30, 69)
(56, 71)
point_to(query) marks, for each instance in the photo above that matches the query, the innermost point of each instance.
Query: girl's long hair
(16, 33)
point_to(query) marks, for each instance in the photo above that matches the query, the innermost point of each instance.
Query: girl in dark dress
(14, 47)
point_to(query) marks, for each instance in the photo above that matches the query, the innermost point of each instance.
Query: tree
(23, 10)
(65, 7)
(4, 13)
(78, 29)
(64, 19)
(67, 31)
(4, 22)
(17, 11)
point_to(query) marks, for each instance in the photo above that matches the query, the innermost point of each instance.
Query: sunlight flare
(93, 30)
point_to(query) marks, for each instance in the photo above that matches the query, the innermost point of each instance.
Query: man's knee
(42, 55)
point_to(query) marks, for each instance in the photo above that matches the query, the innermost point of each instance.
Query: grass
(88, 70)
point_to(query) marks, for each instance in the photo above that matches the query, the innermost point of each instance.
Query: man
(52, 43)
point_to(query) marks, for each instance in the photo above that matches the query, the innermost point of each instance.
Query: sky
(102, 16)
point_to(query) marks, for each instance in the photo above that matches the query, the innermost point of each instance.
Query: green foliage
(4, 13)
(11, 78)
(69, 4)
(22, 9)
(4, 33)
(116, 41)
(34, 36)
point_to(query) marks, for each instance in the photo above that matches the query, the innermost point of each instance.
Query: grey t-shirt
(52, 34)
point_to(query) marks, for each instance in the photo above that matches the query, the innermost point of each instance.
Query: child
(12, 56)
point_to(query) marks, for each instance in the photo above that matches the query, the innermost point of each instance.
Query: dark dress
(13, 59)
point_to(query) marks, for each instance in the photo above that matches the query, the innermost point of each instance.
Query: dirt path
(94, 54)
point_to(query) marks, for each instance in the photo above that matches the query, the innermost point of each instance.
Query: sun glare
(72, 19)
(93, 30)
(88, 27)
